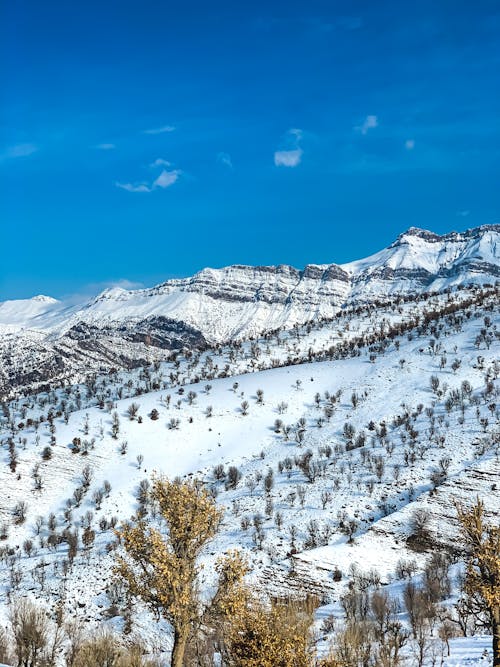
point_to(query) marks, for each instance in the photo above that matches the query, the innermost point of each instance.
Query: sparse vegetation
(337, 466)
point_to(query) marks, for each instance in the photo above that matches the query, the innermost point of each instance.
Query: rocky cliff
(43, 339)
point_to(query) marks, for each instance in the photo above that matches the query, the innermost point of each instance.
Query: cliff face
(420, 260)
(120, 328)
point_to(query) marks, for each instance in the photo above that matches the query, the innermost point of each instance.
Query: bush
(419, 540)
(19, 512)
(233, 477)
(132, 411)
(275, 636)
(30, 629)
(218, 472)
(105, 649)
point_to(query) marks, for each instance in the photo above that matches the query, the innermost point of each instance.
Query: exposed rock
(44, 340)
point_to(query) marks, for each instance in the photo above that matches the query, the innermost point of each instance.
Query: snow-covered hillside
(320, 443)
(42, 339)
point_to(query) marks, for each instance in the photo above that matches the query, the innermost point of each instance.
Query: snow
(388, 381)
(26, 312)
(238, 301)
(469, 652)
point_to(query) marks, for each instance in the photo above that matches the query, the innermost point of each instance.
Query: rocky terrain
(325, 408)
(44, 341)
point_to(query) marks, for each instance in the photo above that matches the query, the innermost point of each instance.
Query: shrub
(233, 477)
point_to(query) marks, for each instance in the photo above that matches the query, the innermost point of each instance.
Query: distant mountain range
(42, 339)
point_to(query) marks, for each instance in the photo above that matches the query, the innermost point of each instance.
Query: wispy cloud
(105, 147)
(410, 144)
(91, 290)
(160, 162)
(463, 214)
(159, 130)
(369, 123)
(290, 158)
(297, 133)
(125, 283)
(164, 180)
(133, 187)
(225, 159)
(19, 150)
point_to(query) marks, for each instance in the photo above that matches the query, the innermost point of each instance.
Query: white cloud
(133, 187)
(20, 150)
(410, 144)
(166, 179)
(160, 162)
(124, 283)
(288, 158)
(160, 130)
(463, 214)
(369, 123)
(105, 147)
(225, 158)
(297, 133)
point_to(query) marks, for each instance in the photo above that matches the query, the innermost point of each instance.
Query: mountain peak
(110, 293)
(42, 298)
(418, 232)
(426, 235)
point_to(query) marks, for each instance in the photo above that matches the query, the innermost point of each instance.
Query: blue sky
(145, 140)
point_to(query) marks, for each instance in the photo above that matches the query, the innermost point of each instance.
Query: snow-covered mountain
(358, 425)
(42, 338)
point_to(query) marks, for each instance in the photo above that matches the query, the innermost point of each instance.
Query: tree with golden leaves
(482, 581)
(228, 601)
(269, 635)
(248, 632)
(161, 567)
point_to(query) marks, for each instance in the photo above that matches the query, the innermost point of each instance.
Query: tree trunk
(496, 639)
(179, 648)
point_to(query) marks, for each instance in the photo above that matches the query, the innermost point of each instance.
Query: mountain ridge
(120, 327)
(309, 268)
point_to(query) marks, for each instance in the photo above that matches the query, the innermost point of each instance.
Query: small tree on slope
(252, 633)
(163, 569)
(482, 581)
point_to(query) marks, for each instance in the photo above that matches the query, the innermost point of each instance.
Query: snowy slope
(390, 379)
(28, 312)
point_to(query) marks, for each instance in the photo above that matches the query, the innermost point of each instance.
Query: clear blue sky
(146, 140)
